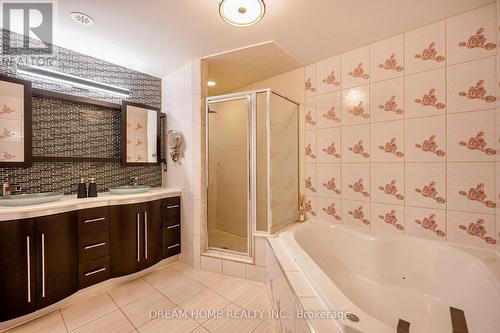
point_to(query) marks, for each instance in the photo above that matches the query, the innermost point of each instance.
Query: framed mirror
(140, 134)
(15, 123)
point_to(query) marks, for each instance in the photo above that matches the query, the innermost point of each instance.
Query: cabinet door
(56, 257)
(125, 239)
(151, 229)
(17, 268)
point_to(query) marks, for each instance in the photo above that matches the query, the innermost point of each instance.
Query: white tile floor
(126, 308)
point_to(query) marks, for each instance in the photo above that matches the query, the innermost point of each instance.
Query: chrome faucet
(133, 181)
(5, 189)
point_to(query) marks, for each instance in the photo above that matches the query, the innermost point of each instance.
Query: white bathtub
(382, 278)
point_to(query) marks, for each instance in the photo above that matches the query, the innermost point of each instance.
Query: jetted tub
(382, 278)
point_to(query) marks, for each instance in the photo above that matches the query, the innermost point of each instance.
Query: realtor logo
(33, 22)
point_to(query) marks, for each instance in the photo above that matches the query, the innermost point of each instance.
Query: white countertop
(70, 203)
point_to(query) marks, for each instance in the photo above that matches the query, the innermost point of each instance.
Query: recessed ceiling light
(82, 18)
(242, 13)
(211, 83)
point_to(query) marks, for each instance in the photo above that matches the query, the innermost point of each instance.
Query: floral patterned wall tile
(356, 181)
(425, 185)
(356, 213)
(425, 223)
(388, 218)
(356, 105)
(356, 143)
(310, 85)
(388, 141)
(328, 75)
(329, 209)
(471, 136)
(471, 229)
(387, 100)
(407, 130)
(388, 183)
(329, 145)
(425, 139)
(471, 187)
(425, 48)
(471, 86)
(387, 59)
(329, 110)
(310, 179)
(471, 35)
(310, 117)
(426, 94)
(355, 67)
(329, 180)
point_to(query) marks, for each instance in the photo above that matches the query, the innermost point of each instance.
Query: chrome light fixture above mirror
(242, 13)
(174, 141)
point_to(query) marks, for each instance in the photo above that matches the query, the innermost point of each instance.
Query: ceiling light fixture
(211, 83)
(242, 13)
(82, 18)
(72, 80)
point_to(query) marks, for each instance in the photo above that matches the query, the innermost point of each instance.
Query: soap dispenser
(82, 189)
(92, 188)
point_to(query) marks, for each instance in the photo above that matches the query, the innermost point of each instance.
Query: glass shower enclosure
(252, 168)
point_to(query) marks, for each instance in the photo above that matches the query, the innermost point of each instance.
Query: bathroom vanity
(53, 250)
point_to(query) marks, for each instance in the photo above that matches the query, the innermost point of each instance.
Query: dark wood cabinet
(38, 263)
(152, 228)
(17, 268)
(46, 259)
(135, 237)
(56, 257)
(125, 239)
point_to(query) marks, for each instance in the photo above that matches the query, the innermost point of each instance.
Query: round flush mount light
(242, 13)
(82, 18)
(211, 83)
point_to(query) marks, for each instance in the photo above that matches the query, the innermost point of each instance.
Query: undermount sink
(30, 199)
(129, 189)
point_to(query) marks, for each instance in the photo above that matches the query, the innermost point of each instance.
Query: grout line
(64, 321)
(122, 312)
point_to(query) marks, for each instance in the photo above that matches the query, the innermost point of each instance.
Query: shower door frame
(251, 182)
(252, 153)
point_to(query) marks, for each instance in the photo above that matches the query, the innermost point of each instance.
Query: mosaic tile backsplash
(68, 129)
(403, 135)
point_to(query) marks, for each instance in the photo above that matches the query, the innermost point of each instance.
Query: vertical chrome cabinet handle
(29, 266)
(138, 238)
(43, 265)
(146, 235)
